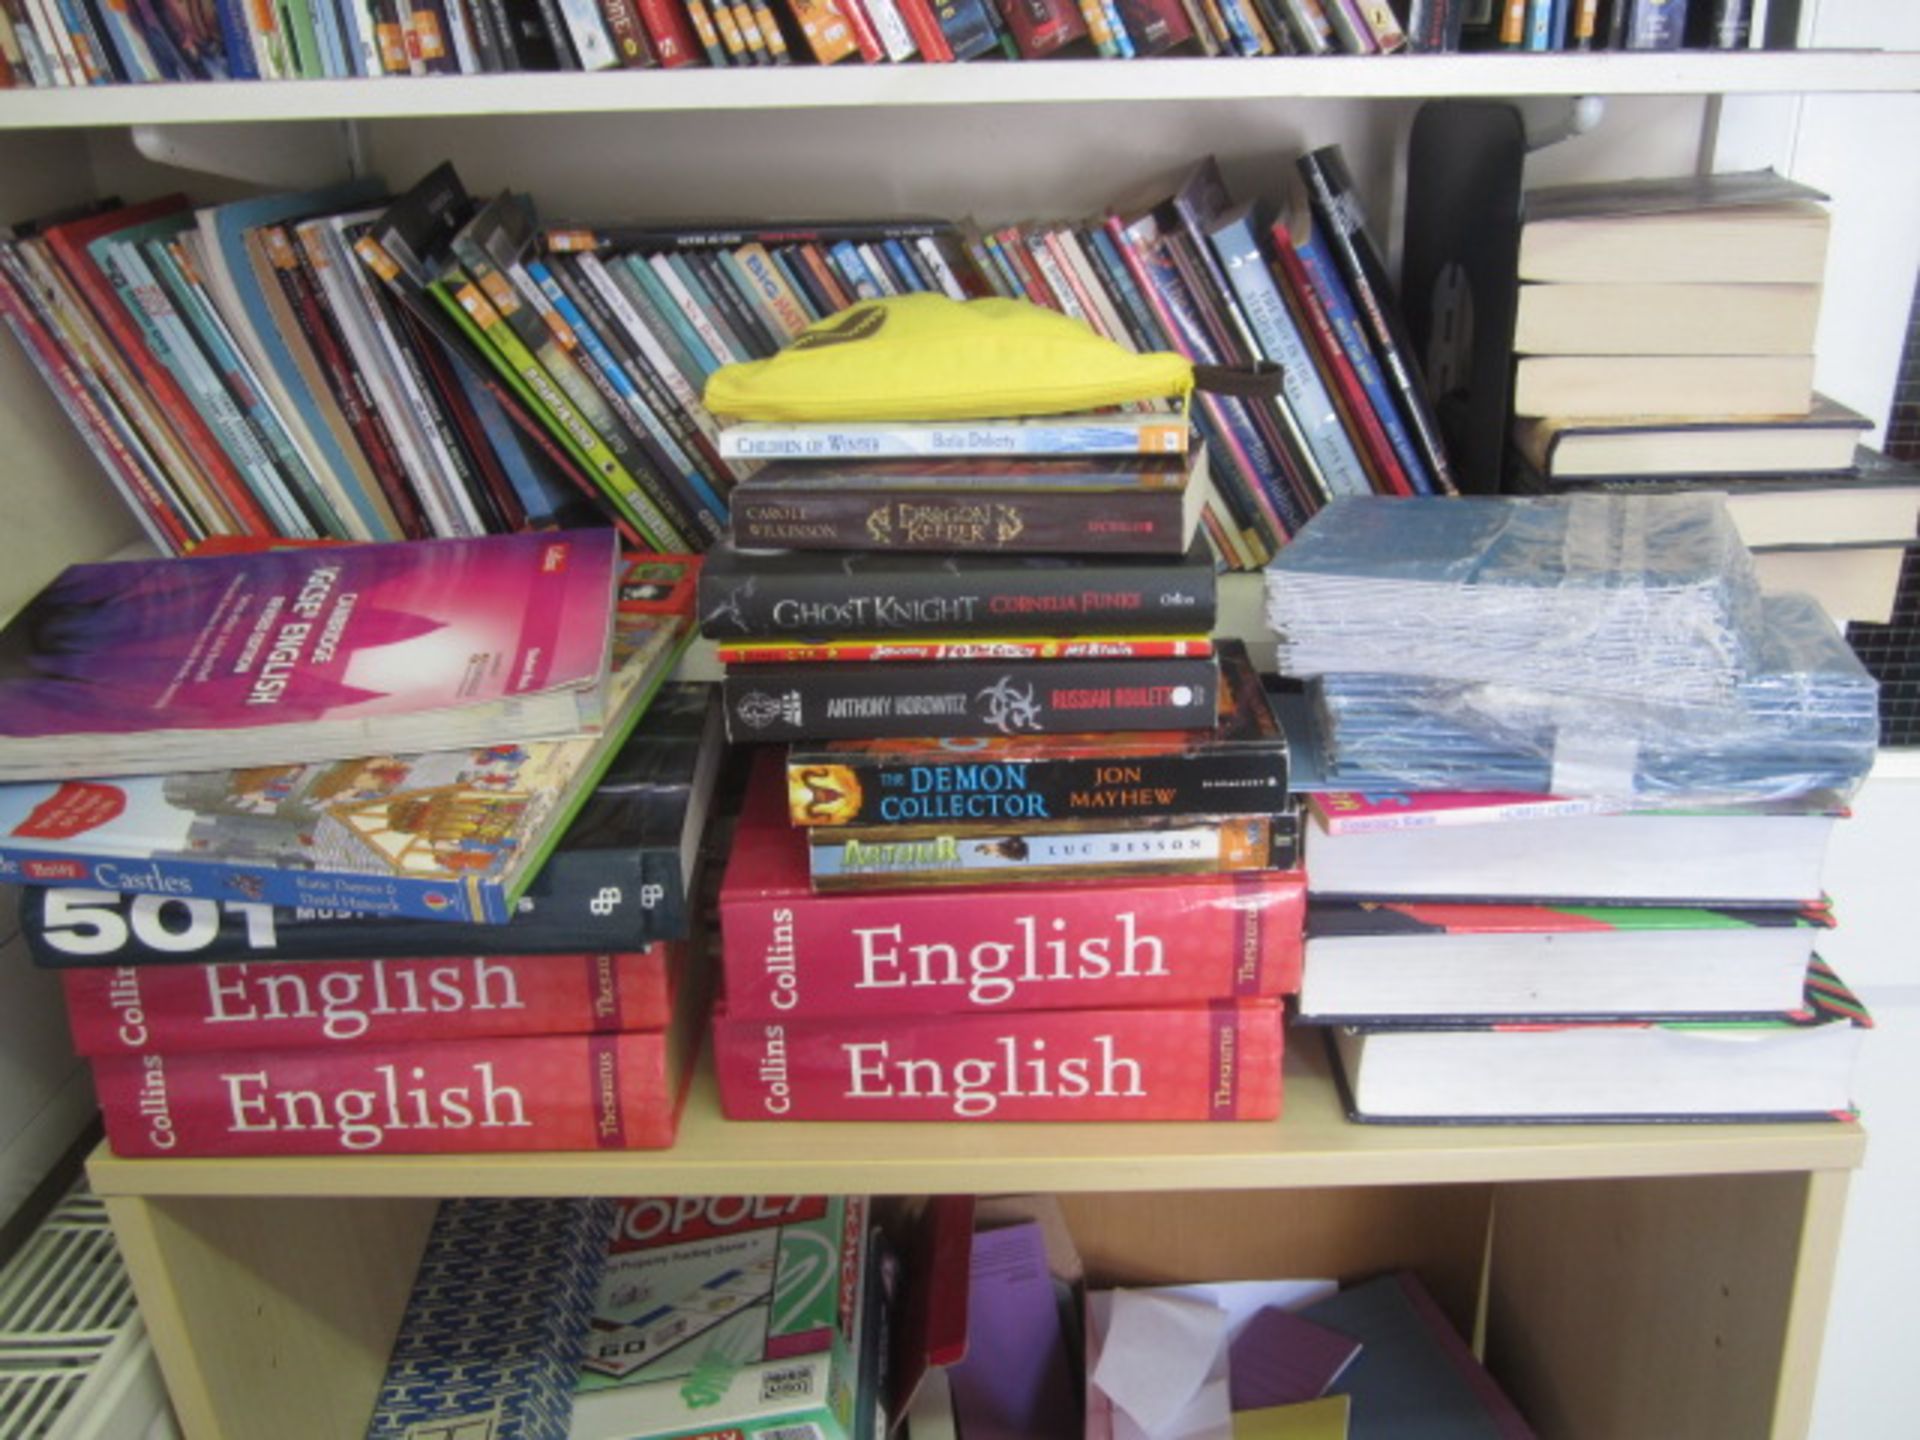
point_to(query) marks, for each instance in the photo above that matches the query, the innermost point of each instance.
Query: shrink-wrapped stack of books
(1031, 855)
(338, 948)
(1579, 778)
(1665, 335)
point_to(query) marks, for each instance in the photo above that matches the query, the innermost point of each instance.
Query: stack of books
(1665, 335)
(1626, 930)
(344, 949)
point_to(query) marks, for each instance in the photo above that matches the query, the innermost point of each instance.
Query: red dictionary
(789, 953)
(1210, 1062)
(133, 1009)
(545, 1092)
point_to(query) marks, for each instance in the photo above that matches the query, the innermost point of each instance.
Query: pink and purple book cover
(281, 637)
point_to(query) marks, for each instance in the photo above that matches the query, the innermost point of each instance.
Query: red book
(1041, 27)
(542, 1092)
(1217, 1062)
(789, 953)
(666, 25)
(133, 1009)
(1311, 314)
(928, 38)
(628, 32)
(69, 245)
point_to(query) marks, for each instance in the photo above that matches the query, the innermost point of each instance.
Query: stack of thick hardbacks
(1625, 932)
(468, 949)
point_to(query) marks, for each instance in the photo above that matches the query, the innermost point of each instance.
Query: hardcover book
(727, 1314)
(523, 1093)
(496, 1323)
(787, 951)
(957, 699)
(620, 879)
(1796, 1066)
(173, 1009)
(1239, 767)
(809, 595)
(443, 835)
(1490, 962)
(1218, 1062)
(1606, 447)
(309, 655)
(943, 504)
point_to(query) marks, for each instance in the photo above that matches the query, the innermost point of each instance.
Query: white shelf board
(1697, 72)
(1312, 1145)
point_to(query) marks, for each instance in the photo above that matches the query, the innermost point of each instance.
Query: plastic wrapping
(1803, 723)
(1612, 594)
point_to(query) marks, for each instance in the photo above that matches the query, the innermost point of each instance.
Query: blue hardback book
(494, 1334)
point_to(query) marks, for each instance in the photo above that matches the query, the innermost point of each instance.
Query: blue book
(1237, 243)
(497, 1325)
(698, 354)
(1539, 25)
(1656, 24)
(237, 41)
(266, 343)
(854, 271)
(1329, 285)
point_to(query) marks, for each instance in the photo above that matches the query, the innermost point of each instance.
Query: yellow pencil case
(926, 357)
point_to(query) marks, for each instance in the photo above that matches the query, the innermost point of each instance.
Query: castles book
(309, 654)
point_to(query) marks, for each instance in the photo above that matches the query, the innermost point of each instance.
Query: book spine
(673, 39)
(566, 1092)
(173, 1009)
(444, 900)
(248, 517)
(1148, 522)
(1117, 435)
(628, 33)
(1086, 599)
(582, 902)
(1027, 855)
(1337, 207)
(1040, 27)
(1657, 24)
(968, 698)
(1115, 647)
(1384, 25)
(1203, 1063)
(1435, 26)
(1375, 820)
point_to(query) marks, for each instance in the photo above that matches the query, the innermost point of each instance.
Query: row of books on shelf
(345, 364)
(849, 1318)
(47, 43)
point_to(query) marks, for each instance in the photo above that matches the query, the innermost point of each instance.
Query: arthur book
(1170, 940)
(809, 595)
(620, 879)
(1128, 504)
(1203, 1062)
(529, 1092)
(1238, 767)
(309, 655)
(174, 1009)
(442, 835)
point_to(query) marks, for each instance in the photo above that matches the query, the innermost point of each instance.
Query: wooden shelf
(1698, 72)
(1314, 1145)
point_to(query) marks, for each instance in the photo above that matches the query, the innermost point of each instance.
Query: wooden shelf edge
(1698, 72)
(1313, 1146)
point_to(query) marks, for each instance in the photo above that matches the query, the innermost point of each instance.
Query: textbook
(307, 655)
(440, 835)
(1794, 1066)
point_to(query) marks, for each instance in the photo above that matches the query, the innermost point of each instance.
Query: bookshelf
(1624, 1281)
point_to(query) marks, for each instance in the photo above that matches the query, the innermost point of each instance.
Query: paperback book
(810, 596)
(1119, 433)
(1209, 1062)
(789, 952)
(1238, 767)
(175, 1009)
(964, 699)
(917, 650)
(621, 878)
(944, 504)
(443, 835)
(168, 665)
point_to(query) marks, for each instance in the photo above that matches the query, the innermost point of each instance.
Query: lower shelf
(1312, 1145)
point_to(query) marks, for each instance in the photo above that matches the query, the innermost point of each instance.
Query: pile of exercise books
(1665, 334)
(353, 949)
(345, 363)
(1620, 922)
